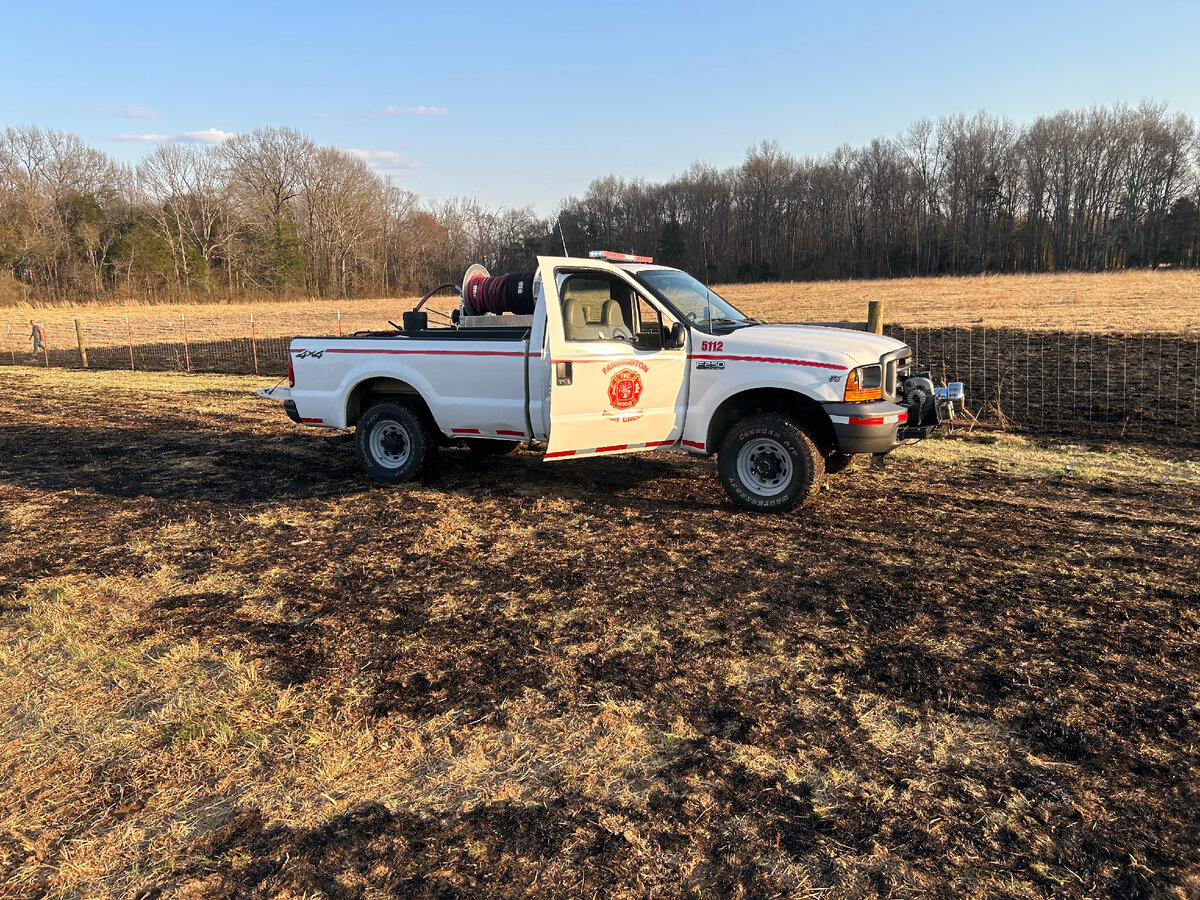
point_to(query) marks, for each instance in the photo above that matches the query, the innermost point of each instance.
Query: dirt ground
(232, 666)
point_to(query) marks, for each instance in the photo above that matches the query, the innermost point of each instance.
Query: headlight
(865, 383)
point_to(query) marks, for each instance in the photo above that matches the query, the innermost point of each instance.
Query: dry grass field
(232, 666)
(1128, 302)
(1166, 301)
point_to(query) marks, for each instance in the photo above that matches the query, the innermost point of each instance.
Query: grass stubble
(230, 665)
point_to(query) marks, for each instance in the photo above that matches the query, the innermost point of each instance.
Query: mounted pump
(928, 406)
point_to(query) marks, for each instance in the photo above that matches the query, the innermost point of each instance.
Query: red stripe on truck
(512, 433)
(699, 445)
(520, 353)
(615, 448)
(312, 420)
(465, 430)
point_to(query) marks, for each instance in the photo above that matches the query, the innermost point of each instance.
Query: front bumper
(867, 427)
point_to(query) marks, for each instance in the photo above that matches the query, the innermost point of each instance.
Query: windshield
(698, 304)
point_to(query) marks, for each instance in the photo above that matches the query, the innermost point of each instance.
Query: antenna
(557, 219)
(562, 234)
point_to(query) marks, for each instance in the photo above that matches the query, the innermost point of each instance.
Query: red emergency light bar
(611, 256)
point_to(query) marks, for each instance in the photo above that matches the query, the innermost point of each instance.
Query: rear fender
(364, 381)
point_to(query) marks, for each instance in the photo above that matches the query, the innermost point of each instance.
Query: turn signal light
(864, 383)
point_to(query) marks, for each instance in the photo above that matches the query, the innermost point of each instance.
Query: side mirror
(648, 340)
(677, 338)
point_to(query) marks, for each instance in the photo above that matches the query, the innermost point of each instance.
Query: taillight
(291, 372)
(864, 383)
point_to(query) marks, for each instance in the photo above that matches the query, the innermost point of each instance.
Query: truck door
(615, 385)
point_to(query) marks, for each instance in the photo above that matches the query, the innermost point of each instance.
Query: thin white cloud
(392, 112)
(127, 111)
(387, 162)
(207, 136)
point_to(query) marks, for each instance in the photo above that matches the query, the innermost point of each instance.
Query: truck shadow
(617, 480)
(170, 459)
(165, 459)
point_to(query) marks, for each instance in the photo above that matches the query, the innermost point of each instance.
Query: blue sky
(527, 103)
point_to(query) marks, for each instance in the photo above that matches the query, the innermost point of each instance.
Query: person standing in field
(37, 335)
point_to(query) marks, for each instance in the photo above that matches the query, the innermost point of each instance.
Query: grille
(895, 370)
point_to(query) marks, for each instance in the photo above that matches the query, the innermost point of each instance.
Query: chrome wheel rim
(389, 445)
(765, 467)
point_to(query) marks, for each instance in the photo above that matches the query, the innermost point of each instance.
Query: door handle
(562, 373)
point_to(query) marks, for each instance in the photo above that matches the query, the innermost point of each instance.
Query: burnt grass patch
(945, 682)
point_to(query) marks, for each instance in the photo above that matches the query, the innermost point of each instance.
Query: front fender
(700, 417)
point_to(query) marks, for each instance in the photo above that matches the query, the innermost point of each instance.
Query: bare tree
(342, 201)
(57, 188)
(190, 194)
(266, 169)
(269, 211)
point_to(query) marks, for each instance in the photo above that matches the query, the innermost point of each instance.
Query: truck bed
(473, 380)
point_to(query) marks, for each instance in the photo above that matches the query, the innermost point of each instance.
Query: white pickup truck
(616, 355)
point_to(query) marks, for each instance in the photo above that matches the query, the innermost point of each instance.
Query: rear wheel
(768, 463)
(392, 443)
(489, 447)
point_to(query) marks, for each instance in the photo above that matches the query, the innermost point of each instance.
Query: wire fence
(1080, 384)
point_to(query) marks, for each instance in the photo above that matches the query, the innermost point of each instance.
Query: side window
(595, 308)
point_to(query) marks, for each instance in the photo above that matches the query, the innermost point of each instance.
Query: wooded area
(271, 213)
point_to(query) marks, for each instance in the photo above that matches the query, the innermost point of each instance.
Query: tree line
(269, 212)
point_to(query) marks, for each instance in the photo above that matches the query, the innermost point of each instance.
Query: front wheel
(768, 463)
(392, 443)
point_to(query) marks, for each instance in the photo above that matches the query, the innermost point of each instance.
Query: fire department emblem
(625, 389)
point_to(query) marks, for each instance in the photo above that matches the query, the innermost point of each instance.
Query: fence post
(45, 345)
(129, 333)
(339, 312)
(12, 348)
(875, 316)
(187, 356)
(79, 341)
(253, 344)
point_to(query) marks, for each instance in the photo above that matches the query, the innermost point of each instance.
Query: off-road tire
(490, 447)
(837, 462)
(393, 443)
(769, 464)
